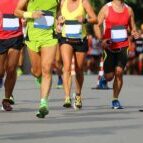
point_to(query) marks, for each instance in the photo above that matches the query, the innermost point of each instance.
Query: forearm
(97, 32)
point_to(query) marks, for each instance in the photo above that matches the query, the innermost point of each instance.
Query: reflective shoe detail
(6, 105)
(19, 72)
(11, 100)
(78, 102)
(67, 103)
(116, 105)
(1, 82)
(38, 81)
(43, 109)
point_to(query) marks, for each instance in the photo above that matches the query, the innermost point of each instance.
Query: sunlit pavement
(96, 122)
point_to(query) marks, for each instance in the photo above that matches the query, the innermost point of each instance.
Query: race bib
(119, 34)
(10, 22)
(73, 29)
(45, 22)
(139, 45)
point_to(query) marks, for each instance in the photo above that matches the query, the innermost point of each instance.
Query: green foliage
(137, 6)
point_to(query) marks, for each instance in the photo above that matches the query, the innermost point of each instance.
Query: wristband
(27, 14)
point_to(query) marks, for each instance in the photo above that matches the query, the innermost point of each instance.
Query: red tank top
(115, 19)
(10, 26)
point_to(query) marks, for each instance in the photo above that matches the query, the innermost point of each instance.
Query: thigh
(12, 58)
(122, 58)
(48, 56)
(67, 53)
(2, 63)
(35, 59)
(109, 61)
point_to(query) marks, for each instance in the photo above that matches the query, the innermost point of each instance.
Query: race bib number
(119, 34)
(10, 22)
(73, 29)
(45, 22)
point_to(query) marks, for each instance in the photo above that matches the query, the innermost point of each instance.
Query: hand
(60, 23)
(37, 14)
(80, 19)
(135, 34)
(61, 20)
(105, 43)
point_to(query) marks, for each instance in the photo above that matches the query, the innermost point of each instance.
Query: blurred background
(94, 55)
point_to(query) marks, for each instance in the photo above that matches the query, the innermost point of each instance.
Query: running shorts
(78, 45)
(115, 58)
(14, 43)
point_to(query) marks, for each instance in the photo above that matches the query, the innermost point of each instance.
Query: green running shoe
(43, 109)
(38, 81)
(67, 103)
(19, 72)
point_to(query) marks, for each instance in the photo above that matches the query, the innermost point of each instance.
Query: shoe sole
(77, 107)
(42, 112)
(67, 105)
(117, 108)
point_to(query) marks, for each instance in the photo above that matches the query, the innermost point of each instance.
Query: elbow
(16, 13)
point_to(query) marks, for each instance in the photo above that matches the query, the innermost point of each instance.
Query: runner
(74, 42)
(117, 18)
(41, 44)
(11, 41)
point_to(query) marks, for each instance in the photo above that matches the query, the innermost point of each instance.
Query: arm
(132, 24)
(21, 12)
(97, 27)
(92, 18)
(60, 19)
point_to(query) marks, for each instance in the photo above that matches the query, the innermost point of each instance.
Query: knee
(119, 72)
(36, 71)
(10, 70)
(46, 70)
(109, 77)
(79, 71)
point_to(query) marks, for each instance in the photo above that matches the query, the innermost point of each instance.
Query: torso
(8, 7)
(71, 10)
(115, 18)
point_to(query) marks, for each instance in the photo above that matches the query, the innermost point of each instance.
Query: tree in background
(137, 6)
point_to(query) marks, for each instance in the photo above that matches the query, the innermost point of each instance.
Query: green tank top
(37, 34)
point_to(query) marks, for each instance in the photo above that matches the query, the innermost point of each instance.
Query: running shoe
(116, 105)
(1, 82)
(67, 103)
(38, 81)
(43, 109)
(11, 100)
(6, 105)
(78, 102)
(19, 71)
(60, 83)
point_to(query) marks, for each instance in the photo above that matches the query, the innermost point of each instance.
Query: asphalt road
(96, 122)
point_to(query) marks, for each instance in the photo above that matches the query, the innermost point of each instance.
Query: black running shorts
(113, 59)
(78, 45)
(14, 43)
